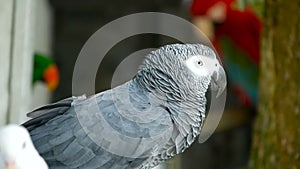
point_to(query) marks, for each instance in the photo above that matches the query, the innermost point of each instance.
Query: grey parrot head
(192, 67)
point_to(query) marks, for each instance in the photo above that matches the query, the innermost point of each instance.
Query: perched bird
(137, 125)
(17, 150)
(45, 70)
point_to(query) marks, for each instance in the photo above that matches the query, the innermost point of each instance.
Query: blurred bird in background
(235, 32)
(46, 71)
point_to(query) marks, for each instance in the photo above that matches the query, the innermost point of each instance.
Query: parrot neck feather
(185, 106)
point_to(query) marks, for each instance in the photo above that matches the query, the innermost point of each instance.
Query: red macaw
(237, 36)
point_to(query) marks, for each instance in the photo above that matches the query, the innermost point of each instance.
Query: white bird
(17, 150)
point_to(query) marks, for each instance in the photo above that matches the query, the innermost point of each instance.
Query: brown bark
(276, 142)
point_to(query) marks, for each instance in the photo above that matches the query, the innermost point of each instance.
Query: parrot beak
(219, 82)
(51, 77)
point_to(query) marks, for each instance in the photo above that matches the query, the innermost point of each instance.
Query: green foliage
(256, 5)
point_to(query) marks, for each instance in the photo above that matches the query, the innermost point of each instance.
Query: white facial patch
(13, 142)
(17, 148)
(202, 65)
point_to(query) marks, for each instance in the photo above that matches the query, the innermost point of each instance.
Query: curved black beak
(218, 81)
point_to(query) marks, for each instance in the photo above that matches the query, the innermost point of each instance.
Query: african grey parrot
(137, 125)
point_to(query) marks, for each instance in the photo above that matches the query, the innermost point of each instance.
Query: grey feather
(164, 97)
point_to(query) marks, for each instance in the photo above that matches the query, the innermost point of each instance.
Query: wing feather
(61, 139)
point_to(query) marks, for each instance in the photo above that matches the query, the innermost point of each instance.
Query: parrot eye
(196, 65)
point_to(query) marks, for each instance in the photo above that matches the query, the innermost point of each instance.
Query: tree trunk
(276, 142)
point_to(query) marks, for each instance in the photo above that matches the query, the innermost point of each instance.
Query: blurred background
(41, 40)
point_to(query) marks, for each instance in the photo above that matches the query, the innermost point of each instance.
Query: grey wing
(119, 128)
(45, 113)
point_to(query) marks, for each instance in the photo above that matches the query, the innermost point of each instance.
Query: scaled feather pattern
(137, 125)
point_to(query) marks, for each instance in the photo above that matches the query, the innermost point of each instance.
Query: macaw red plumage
(237, 39)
